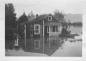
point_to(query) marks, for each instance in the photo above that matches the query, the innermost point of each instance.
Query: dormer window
(50, 18)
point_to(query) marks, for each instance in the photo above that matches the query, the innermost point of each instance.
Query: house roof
(41, 17)
(44, 17)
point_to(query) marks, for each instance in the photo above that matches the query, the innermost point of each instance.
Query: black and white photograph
(43, 28)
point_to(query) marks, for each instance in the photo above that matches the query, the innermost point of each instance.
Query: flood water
(76, 29)
(71, 49)
(65, 49)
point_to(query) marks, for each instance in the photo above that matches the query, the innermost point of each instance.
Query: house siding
(31, 37)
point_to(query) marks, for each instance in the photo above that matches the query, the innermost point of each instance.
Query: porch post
(49, 30)
(43, 36)
(25, 35)
(49, 37)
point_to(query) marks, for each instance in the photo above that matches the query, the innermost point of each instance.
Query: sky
(47, 6)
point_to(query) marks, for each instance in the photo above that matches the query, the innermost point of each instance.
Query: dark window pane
(55, 28)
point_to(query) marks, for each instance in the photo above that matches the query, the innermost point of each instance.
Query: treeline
(10, 26)
(13, 26)
(76, 24)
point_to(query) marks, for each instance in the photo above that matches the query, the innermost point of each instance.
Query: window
(55, 29)
(50, 18)
(47, 29)
(36, 29)
(36, 44)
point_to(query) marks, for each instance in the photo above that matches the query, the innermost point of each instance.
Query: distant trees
(10, 25)
(76, 24)
(60, 17)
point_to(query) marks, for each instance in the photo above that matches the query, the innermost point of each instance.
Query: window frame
(55, 29)
(49, 18)
(36, 29)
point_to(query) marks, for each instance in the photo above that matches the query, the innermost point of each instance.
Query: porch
(52, 29)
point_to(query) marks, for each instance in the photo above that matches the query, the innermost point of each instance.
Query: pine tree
(10, 25)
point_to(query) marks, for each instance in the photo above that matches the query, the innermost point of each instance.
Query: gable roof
(45, 17)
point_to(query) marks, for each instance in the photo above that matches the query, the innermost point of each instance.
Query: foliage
(59, 16)
(10, 24)
(21, 21)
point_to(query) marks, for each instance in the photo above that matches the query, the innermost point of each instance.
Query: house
(39, 30)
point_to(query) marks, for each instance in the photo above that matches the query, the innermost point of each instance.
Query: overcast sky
(47, 6)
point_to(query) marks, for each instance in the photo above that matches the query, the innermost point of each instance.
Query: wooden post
(16, 42)
(17, 39)
(17, 35)
(43, 36)
(49, 38)
(25, 35)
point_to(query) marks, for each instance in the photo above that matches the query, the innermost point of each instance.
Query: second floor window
(36, 29)
(50, 18)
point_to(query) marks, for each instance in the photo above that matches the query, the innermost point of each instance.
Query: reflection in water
(69, 49)
(54, 43)
(51, 45)
(73, 48)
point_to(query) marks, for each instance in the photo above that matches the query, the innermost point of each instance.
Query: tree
(21, 21)
(31, 16)
(20, 29)
(59, 16)
(10, 25)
